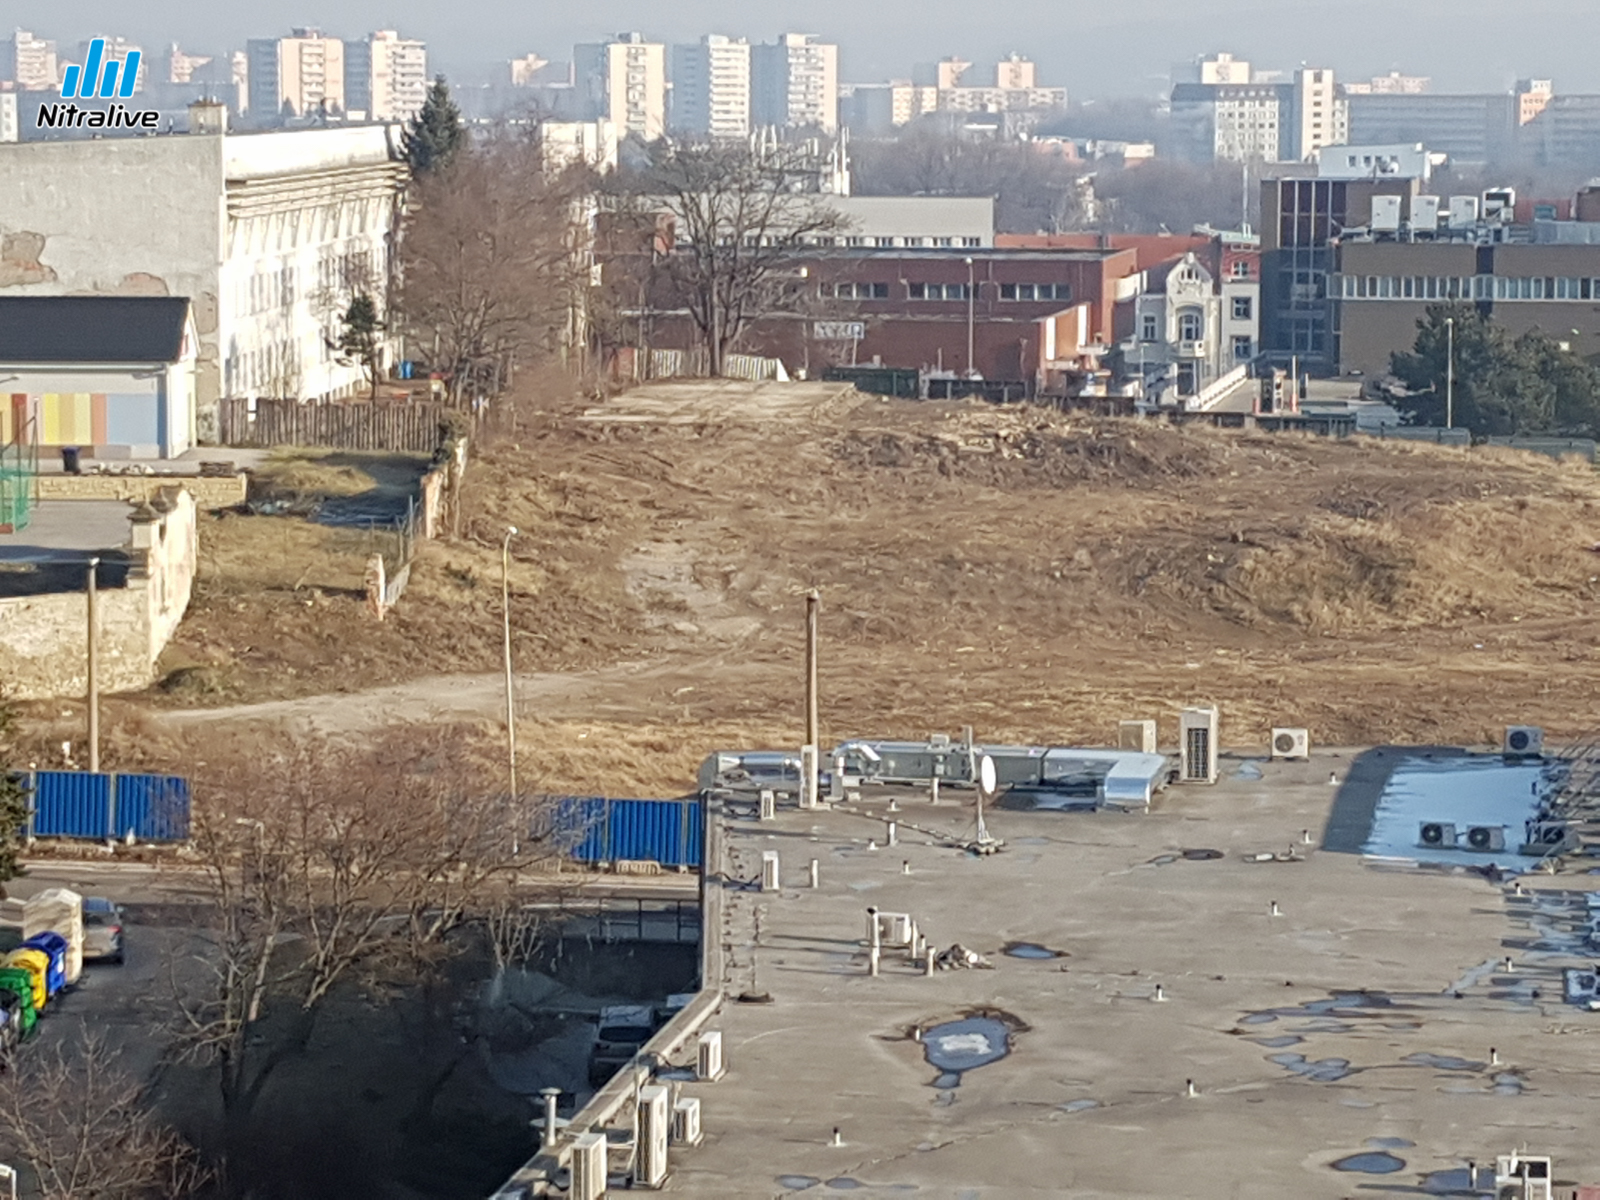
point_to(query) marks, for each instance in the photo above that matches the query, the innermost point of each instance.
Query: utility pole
(511, 704)
(1450, 373)
(94, 665)
(813, 603)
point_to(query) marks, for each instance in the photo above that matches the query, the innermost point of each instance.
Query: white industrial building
(267, 234)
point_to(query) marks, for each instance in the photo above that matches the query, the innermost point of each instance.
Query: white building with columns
(268, 234)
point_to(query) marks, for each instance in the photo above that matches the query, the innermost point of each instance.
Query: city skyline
(1124, 52)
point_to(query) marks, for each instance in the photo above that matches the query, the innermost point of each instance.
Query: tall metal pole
(813, 603)
(1450, 373)
(972, 311)
(92, 641)
(511, 704)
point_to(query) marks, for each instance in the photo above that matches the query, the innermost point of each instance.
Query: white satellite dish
(987, 779)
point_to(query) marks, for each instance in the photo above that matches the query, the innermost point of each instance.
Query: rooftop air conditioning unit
(1197, 745)
(1523, 741)
(588, 1167)
(655, 1123)
(1549, 837)
(686, 1129)
(1485, 838)
(1291, 743)
(1437, 835)
(1137, 735)
(708, 1066)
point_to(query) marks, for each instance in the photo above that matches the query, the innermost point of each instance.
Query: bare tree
(334, 864)
(495, 265)
(741, 222)
(78, 1122)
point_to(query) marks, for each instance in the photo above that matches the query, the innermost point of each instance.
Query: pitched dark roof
(92, 329)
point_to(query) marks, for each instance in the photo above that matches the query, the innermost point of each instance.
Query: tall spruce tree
(436, 133)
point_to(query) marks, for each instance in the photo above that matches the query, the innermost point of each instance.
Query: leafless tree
(333, 865)
(495, 265)
(741, 220)
(75, 1120)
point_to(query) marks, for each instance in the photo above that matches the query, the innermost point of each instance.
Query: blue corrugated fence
(600, 830)
(78, 804)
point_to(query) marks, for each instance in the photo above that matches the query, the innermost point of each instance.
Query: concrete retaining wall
(208, 493)
(43, 639)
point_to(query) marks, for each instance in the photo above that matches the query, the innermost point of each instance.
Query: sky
(1116, 48)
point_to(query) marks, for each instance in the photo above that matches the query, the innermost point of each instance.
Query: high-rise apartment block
(1224, 112)
(29, 62)
(385, 76)
(624, 81)
(795, 83)
(711, 87)
(1392, 84)
(181, 67)
(118, 50)
(295, 76)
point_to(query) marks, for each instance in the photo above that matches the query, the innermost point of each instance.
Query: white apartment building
(385, 76)
(117, 50)
(566, 143)
(1256, 121)
(267, 234)
(29, 62)
(1322, 115)
(295, 76)
(711, 87)
(624, 81)
(795, 83)
(10, 130)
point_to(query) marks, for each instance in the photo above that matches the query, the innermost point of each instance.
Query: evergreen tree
(435, 134)
(13, 797)
(361, 337)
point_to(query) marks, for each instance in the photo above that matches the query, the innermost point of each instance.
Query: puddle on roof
(1322, 1013)
(956, 1047)
(1030, 950)
(798, 1183)
(1509, 1083)
(1278, 1043)
(1073, 1106)
(1443, 1062)
(1248, 771)
(843, 1183)
(1323, 1070)
(1371, 1163)
(1464, 791)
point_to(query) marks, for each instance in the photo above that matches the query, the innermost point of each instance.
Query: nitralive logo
(98, 79)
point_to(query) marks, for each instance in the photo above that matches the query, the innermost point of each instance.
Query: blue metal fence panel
(155, 808)
(596, 830)
(72, 804)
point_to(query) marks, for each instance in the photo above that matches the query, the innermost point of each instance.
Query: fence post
(111, 805)
(33, 802)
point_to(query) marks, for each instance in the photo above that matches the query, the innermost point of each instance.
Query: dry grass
(1036, 575)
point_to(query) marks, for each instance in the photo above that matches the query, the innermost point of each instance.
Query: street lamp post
(505, 613)
(1450, 373)
(972, 310)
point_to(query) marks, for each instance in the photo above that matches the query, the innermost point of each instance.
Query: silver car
(102, 930)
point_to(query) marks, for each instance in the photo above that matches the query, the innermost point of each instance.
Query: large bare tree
(329, 865)
(495, 264)
(742, 219)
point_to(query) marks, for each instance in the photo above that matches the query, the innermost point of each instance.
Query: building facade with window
(268, 235)
(624, 81)
(794, 83)
(711, 87)
(386, 76)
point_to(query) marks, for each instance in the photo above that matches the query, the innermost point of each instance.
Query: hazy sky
(1120, 47)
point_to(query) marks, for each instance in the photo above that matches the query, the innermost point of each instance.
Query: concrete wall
(43, 638)
(208, 493)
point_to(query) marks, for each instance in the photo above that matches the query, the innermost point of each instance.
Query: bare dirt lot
(1034, 574)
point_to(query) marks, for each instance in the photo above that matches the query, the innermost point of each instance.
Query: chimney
(208, 117)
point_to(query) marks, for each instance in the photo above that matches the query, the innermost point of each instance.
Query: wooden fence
(341, 425)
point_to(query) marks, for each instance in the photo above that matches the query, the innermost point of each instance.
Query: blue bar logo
(87, 82)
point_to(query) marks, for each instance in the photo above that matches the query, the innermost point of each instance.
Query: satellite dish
(986, 775)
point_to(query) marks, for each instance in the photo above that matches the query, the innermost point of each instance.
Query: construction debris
(959, 958)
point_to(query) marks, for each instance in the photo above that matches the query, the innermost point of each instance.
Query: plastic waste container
(55, 946)
(36, 964)
(70, 460)
(20, 984)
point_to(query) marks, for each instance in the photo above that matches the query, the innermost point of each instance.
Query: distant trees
(1503, 385)
(1162, 196)
(739, 223)
(435, 135)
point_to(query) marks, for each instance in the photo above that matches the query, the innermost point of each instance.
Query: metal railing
(19, 480)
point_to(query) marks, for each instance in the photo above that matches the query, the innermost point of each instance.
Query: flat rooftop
(1359, 1021)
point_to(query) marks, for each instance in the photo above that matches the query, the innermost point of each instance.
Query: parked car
(623, 1028)
(102, 931)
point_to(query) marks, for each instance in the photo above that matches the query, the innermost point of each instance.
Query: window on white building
(1148, 331)
(1243, 308)
(1243, 349)
(1191, 325)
